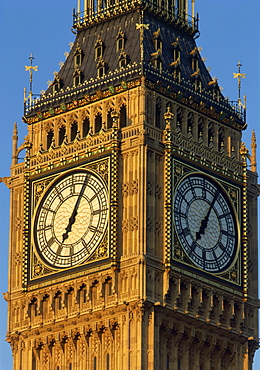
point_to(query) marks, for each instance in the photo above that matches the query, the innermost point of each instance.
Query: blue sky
(229, 32)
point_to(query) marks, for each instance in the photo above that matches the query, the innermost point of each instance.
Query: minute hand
(205, 221)
(74, 212)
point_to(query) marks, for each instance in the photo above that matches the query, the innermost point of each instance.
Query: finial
(193, 9)
(31, 68)
(168, 116)
(239, 75)
(15, 131)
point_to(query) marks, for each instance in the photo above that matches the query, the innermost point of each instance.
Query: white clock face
(71, 219)
(205, 223)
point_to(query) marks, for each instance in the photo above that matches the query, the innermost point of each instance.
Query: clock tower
(133, 233)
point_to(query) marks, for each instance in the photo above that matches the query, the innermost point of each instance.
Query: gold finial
(239, 75)
(168, 116)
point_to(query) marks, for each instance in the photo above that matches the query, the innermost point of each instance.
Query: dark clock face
(71, 219)
(205, 223)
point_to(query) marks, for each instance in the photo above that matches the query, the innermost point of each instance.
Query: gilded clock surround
(38, 186)
(233, 273)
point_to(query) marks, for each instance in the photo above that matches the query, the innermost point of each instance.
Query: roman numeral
(185, 231)
(48, 209)
(224, 215)
(50, 241)
(93, 229)
(85, 245)
(94, 196)
(98, 211)
(45, 227)
(225, 232)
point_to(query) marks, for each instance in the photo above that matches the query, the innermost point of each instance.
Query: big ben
(137, 202)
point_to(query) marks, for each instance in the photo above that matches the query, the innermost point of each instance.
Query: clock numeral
(221, 246)
(94, 229)
(45, 227)
(224, 215)
(94, 196)
(50, 241)
(225, 232)
(48, 209)
(193, 246)
(97, 212)
(85, 245)
(59, 194)
(185, 231)
(181, 214)
(59, 249)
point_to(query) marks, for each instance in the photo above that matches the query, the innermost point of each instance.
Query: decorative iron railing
(101, 9)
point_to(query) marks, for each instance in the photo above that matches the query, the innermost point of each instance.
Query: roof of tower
(111, 53)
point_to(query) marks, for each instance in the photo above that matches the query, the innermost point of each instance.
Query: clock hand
(75, 211)
(204, 222)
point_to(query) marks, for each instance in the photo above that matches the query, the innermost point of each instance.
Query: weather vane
(239, 76)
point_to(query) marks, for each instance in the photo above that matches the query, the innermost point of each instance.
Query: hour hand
(203, 226)
(69, 226)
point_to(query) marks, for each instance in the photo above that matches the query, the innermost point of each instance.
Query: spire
(30, 68)
(253, 156)
(239, 76)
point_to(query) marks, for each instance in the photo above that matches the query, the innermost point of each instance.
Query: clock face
(71, 219)
(205, 223)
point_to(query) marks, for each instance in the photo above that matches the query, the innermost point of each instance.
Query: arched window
(120, 41)
(190, 124)
(210, 136)
(194, 64)
(94, 363)
(99, 49)
(122, 60)
(85, 126)
(82, 295)
(122, 119)
(62, 133)
(98, 123)
(158, 110)
(179, 118)
(56, 87)
(57, 302)
(77, 79)
(109, 120)
(73, 131)
(198, 84)
(200, 129)
(50, 136)
(221, 141)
